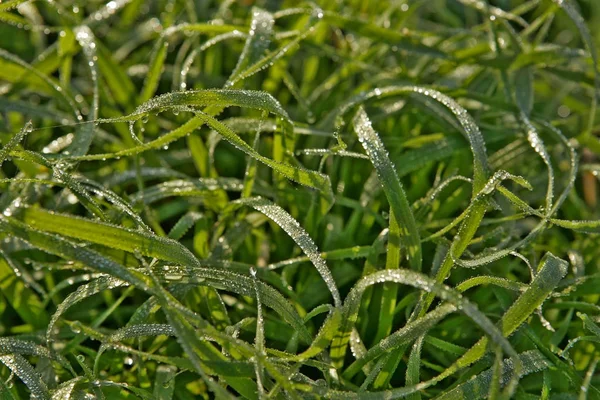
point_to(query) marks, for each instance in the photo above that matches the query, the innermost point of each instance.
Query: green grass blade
(392, 187)
(299, 235)
(550, 272)
(30, 377)
(14, 141)
(142, 243)
(478, 386)
(258, 41)
(156, 65)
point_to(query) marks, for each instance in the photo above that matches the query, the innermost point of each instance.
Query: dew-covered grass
(277, 199)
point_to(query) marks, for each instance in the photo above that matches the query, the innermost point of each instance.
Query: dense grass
(355, 199)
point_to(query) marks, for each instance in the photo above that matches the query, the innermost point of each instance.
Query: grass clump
(299, 200)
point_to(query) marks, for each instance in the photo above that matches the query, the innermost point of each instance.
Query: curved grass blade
(258, 41)
(303, 176)
(14, 141)
(208, 188)
(469, 127)
(392, 187)
(184, 224)
(478, 386)
(240, 284)
(299, 235)
(156, 144)
(491, 280)
(30, 377)
(253, 99)
(58, 90)
(401, 337)
(550, 273)
(273, 56)
(420, 281)
(82, 293)
(203, 28)
(524, 96)
(187, 63)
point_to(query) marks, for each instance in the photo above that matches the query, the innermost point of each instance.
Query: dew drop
(76, 328)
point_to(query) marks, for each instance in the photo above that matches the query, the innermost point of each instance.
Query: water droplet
(173, 277)
(76, 327)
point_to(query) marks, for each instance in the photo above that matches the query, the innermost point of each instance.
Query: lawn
(274, 199)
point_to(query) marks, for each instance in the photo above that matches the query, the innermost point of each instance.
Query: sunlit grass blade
(82, 293)
(258, 41)
(142, 243)
(415, 279)
(550, 272)
(30, 377)
(299, 235)
(332, 192)
(230, 281)
(402, 337)
(392, 187)
(14, 141)
(61, 247)
(478, 386)
(22, 298)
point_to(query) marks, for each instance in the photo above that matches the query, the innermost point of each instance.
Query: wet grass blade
(145, 244)
(399, 205)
